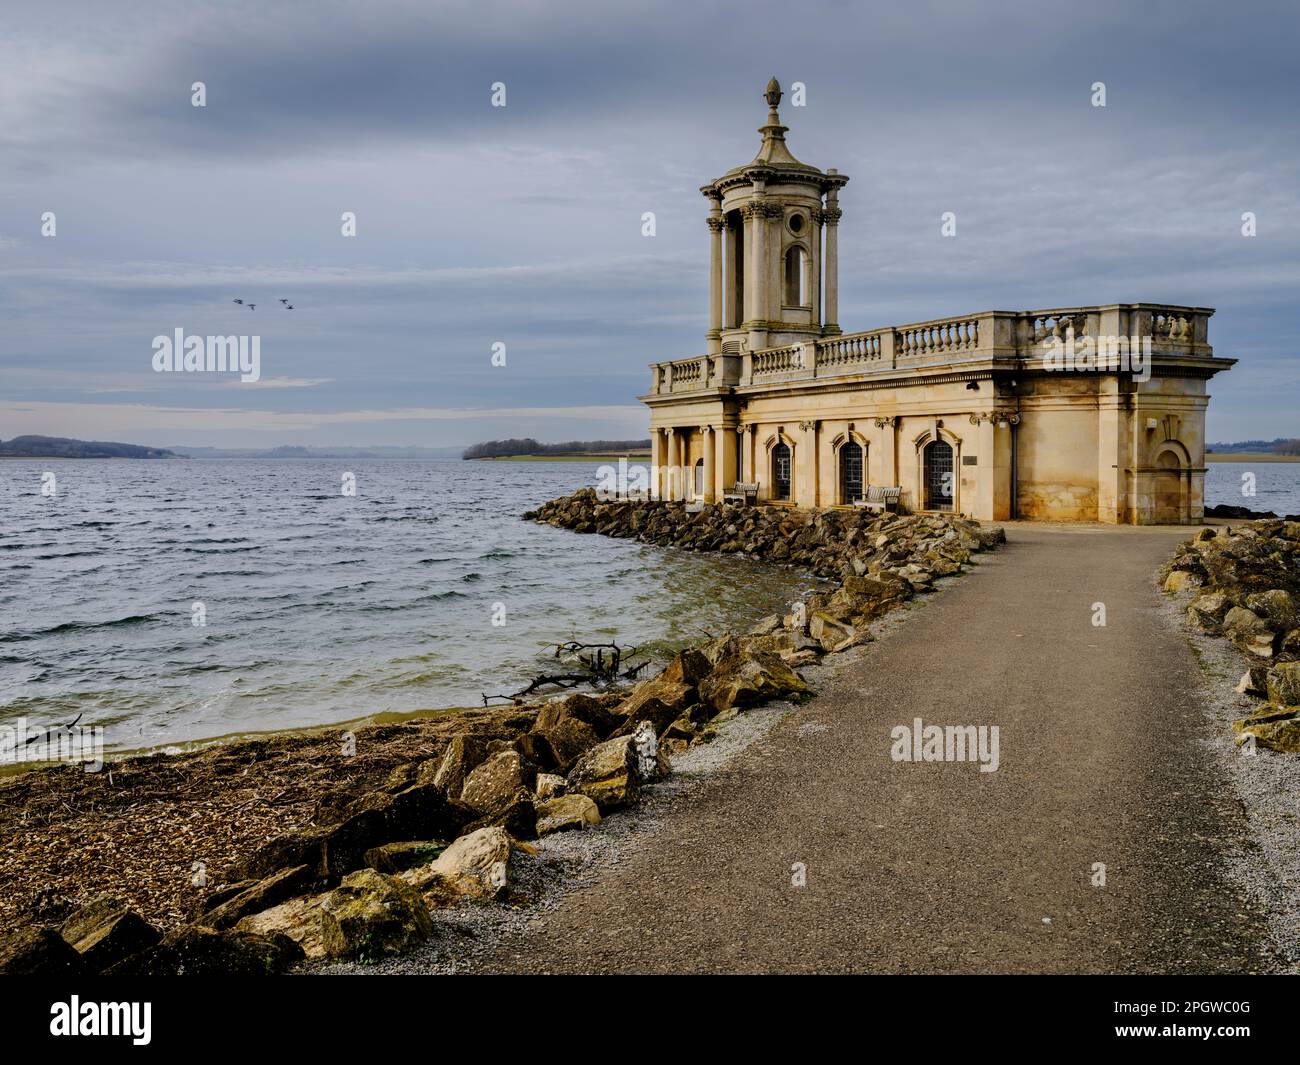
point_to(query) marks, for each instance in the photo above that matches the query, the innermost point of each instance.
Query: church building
(1068, 413)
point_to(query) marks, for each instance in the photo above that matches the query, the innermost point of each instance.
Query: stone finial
(772, 94)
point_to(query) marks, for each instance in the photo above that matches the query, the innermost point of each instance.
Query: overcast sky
(522, 224)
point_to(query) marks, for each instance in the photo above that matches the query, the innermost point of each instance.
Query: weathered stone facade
(1071, 413)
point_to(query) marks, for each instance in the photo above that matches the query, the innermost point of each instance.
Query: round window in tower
(796, 223)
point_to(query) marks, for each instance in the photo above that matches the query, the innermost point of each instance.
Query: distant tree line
(493, 449)
(60, 447)
(1280, 446)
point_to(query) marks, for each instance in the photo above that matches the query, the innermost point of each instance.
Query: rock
(105, 931)
(1254, 681)
(746, 680)
(297, 919)
(1208, 610)
(418, 813)
(767, 625)
(565, 741)
(566, 812)
(198, 951)
(832, 634)
(1181, 580)
(661, 699)
(262, 895)
(549, 785)
(496, 785)
(474, 866)
(398, 857)
(463, 755)
(371, 915)
(651, 763)
(1267, 712)
(225, 893)
(1290, 644)
(1283, 736)
(1283, 684)
(595, 711)
(39, 951)
(1249, 632)
(1277, 607)
(608, 774)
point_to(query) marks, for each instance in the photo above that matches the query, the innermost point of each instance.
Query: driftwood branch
(602, 663)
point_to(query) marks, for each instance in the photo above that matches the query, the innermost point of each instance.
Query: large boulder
(418, 813)
(298, 919)
(608, 775)
(105, 931)
(566, 812)
(496, 785)
(371, 915)
(474, 866)
(261, 895)
(1283, 684)
(1208, 610)
(596, 711)
(564, 741)
(1249, 632)
(832, 633)
(398, 857)
(1281, 735)
(38, 950)
(749, 679)
(1277, 607)
(197, 951)
(661, 699)
(463, 755)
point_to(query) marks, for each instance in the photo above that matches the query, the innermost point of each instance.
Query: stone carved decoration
(831, 215)
(807, 427)
(716, 225)
(886, 423)
(1010, 416)
(1171, 424)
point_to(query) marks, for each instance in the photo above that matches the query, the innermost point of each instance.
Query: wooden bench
(741, 493)
(879, 497)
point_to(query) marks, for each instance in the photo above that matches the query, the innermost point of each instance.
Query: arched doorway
(939, 475)
(850, 472)
(1168, 490)
(781, 471)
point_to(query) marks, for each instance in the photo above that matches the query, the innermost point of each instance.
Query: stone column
(747, 453)
(832, 215)
(707, 437)
(715, 277)
(671, 474)
(656, 462)
(756, 274)
(724, 470)
(733, 274)
(815, 268)
(885, 469)
(806, 486)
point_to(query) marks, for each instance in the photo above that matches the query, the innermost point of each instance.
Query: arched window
(794, 277)
(939, 475)
(781, 471)
(850, 472)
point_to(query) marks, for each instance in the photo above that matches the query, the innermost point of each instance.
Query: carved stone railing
(1173, 330)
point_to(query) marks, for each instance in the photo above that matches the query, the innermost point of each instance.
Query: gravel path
(1106, 756)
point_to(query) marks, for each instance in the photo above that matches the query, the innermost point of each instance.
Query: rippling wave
(316, 607)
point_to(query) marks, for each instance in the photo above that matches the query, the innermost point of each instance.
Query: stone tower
(770, 285)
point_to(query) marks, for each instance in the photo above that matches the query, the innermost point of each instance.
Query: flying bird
(287, 305)
(252, 306)
(285, 302)
(236, 301)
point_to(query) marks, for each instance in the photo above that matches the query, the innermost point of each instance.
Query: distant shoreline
(572, 457)
(1248, 456)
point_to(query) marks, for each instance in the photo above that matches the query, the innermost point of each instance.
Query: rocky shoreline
(339, 847)
(1246, 583)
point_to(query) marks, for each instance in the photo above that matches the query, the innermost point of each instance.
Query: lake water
(1276, 484)
(318, 606)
